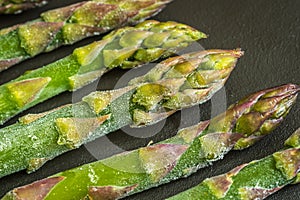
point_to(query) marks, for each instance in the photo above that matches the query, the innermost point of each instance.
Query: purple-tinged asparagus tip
(265, 113)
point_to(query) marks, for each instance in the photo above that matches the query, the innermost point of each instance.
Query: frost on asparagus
(120, 48)
(255, 180)
(70, 24)
(190, 149)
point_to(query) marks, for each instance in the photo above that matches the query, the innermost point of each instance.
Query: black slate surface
(268, 31)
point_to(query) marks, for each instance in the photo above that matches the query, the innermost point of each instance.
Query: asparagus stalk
(174, 84)
(126, 48)
(254, 180)
(14, 7)
(189, 150)
(70, 24)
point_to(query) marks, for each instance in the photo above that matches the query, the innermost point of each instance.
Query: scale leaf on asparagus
(189, 150)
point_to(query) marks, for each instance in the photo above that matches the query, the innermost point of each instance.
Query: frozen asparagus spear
(70, 24)
(14, 7)
(174, 84)
(126, 48)
(189, 150)
(255, 180)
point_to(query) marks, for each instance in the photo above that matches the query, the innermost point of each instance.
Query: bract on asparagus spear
(174, 84)
(70, 24)
(126, 48)
(191, 149)
(14, 7)
(254, 180)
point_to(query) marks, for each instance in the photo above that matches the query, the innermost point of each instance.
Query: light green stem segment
(41, 137)
(189, 150)
(255, 180)
(126, 48)
(67, 25)
(17, 6)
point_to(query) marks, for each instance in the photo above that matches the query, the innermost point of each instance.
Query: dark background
(268, 31)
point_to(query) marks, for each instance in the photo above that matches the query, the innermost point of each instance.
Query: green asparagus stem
(255, 180)
(168, 87)
(17, 6)
(70, 24)
(126, 48)
(189, 150)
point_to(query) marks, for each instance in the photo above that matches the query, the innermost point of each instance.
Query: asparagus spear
(126, 48)
(189, 150)
(70, 24)
(14, 7)
(174, 84)
(255, 180)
